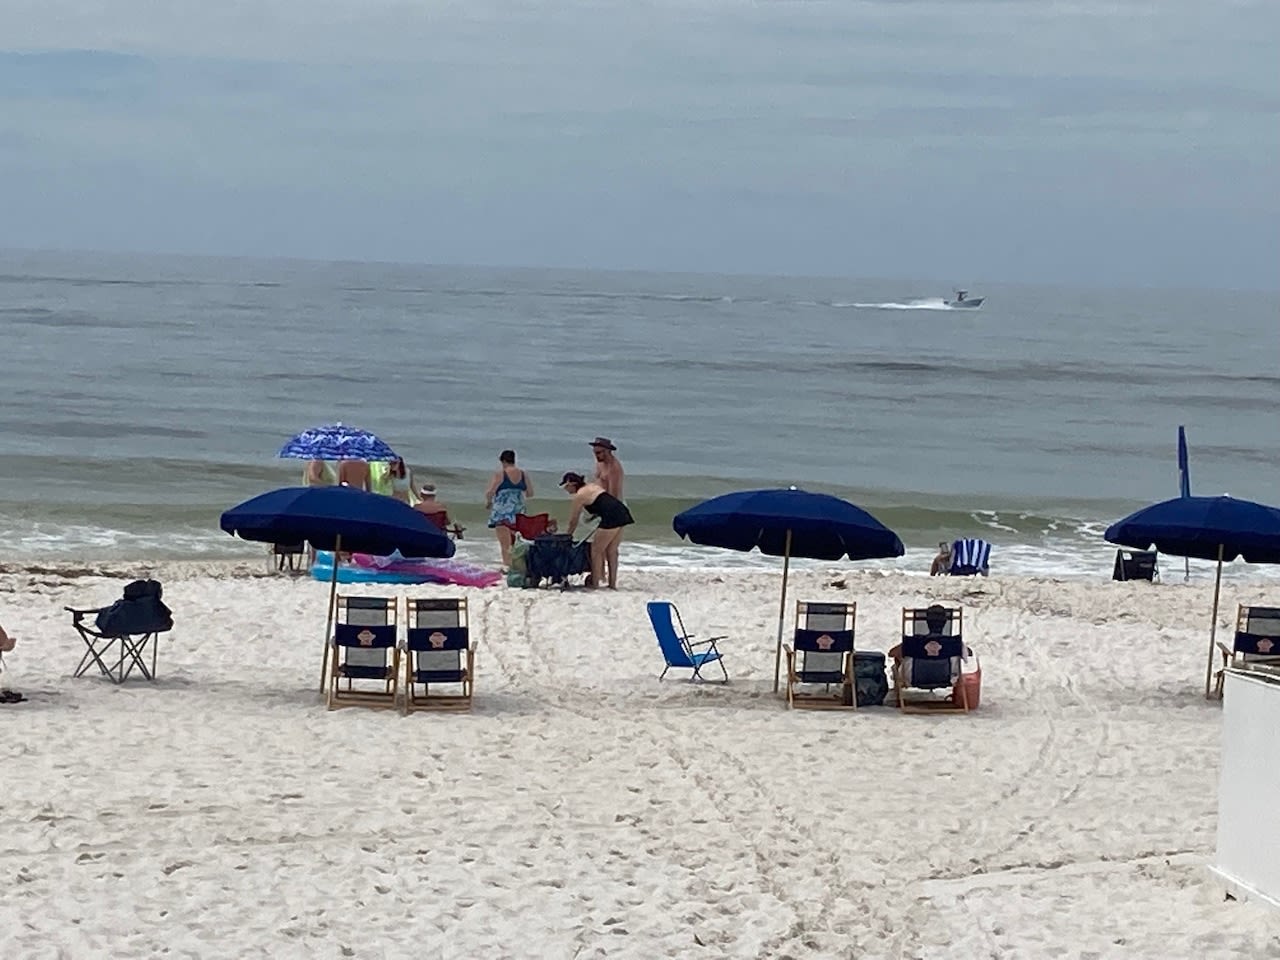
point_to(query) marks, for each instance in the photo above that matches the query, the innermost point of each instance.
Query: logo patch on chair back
(824, 642)
(933, 648)
(437, 640)
(1264, 646)
(365, 637)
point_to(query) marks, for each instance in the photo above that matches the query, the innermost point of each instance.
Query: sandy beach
(584, 809)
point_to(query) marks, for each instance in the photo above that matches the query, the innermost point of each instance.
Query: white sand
(586, 810)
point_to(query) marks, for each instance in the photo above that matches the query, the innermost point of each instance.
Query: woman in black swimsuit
(613, 515)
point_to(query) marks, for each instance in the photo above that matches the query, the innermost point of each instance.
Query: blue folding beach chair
(931, 659)
(970, 557)
(678, 646)
(364, 651)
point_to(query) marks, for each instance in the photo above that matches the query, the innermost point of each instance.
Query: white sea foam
(926, 303)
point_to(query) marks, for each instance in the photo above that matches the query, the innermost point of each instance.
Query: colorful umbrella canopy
(336, 441)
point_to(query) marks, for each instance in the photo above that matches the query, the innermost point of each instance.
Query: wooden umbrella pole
(328, 623)
(1213, 628)
(782, 611)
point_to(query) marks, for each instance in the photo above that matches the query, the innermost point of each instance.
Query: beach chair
(970, 557)
(124, 633)
(364, 652)
(1257, 640)
(679, 649)
(441, 519)
(531, 527)
(1136, 565)
(439, 653)
(931, 659)
(821, 653)
(288, 556)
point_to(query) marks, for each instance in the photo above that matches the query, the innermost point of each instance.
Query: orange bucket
(972, 685)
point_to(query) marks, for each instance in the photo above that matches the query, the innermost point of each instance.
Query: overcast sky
(1087, 142)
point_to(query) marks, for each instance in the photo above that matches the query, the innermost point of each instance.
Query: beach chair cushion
(821, 655)
(438, 653)
(931, 662)
(1258, 631)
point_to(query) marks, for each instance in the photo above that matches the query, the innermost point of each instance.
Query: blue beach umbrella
(1207, 528)
(787, 523)
(337, 441)
(337, 518)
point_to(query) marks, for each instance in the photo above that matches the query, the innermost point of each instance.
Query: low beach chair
(679, 649)
(1257, 640)
(439, 653)
(970, 557)
(821, 653)
(288, 556)
(1136, 565)
(122, 634)
(931, 659)
(364, 651)
(530, 527)
(441, 519)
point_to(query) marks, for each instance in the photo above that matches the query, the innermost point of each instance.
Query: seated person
(941, 565)
(7, 643)
(935, 618)
(436, 510)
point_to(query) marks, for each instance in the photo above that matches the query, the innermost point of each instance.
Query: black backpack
(139, 611)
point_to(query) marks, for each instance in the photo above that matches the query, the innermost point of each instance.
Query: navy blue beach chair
(679, 648)
(821, 654)
(365, 658)
(1257, 640)
(931, 659)
(970, 557)
(440, 654)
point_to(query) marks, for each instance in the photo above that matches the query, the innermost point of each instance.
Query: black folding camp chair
(123, 634)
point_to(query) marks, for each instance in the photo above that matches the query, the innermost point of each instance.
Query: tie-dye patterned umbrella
(336, 441)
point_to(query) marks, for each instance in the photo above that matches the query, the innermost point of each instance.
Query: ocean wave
(926, 303)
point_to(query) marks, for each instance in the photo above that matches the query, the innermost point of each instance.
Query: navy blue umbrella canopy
(788, 523)
(1200, 527)
(365, 522)
(1207, 528)
(821, 527)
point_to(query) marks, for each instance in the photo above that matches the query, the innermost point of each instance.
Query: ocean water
(144, 395)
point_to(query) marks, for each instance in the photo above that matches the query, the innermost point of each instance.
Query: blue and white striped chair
(970, 557)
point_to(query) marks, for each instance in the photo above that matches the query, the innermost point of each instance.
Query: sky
(1094, 142)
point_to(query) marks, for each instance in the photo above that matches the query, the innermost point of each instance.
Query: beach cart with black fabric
(125, 635)
(821, 654)
(365, 657)
(440, 654)
(556, 558)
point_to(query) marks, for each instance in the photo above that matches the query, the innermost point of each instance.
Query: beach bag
(869, 679)
(518, 574)
(139, 611)
(972, 684)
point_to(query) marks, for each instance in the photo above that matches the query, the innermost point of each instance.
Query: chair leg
(664, 672)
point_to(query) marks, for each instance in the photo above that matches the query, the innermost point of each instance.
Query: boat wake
(928, 303)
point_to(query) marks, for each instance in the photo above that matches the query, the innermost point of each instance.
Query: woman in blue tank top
(505, 499)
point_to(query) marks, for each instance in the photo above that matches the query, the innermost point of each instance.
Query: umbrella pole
(782, 611)
(328, 623)
(1213, 626)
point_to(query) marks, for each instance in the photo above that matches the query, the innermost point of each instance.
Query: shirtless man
(608, 467)
(355, 473)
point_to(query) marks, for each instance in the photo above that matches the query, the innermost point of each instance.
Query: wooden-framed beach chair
(679, 649)
(439, 652)
(364, 651)
(1257, 640)
(821, 653)
(930, 658)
